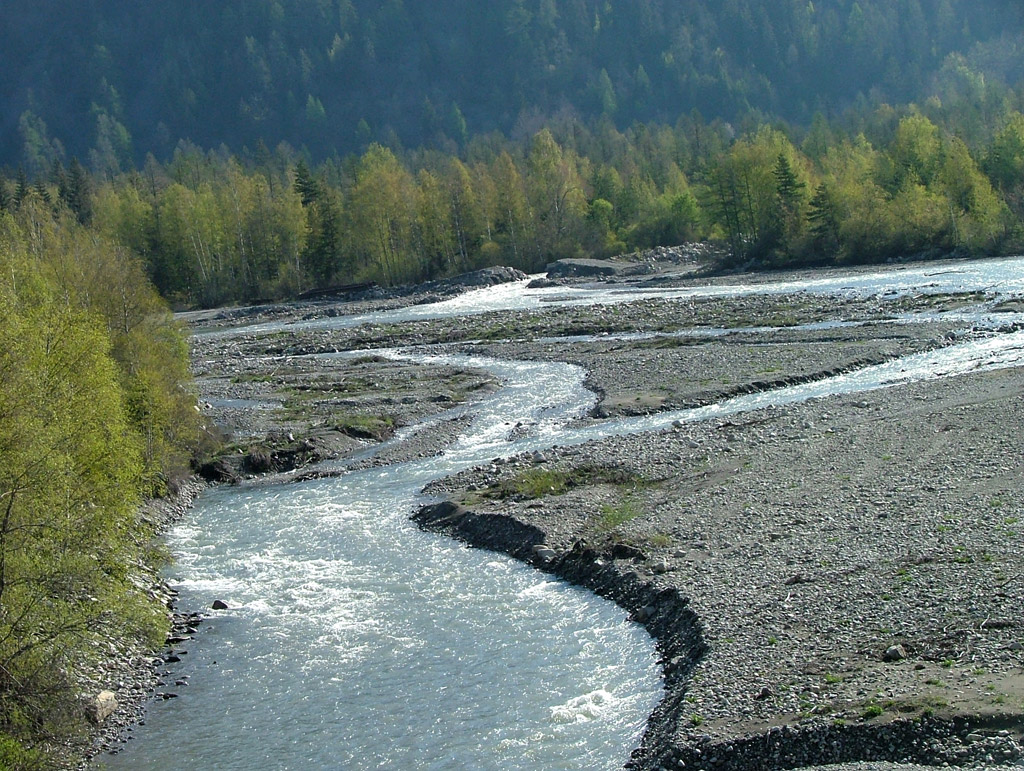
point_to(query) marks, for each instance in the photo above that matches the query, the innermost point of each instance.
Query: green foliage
(211, 228)
(613, 515)
(872, 711)
(542, 482)
(14, 756)
(92, 417)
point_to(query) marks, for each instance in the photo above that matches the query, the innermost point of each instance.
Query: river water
(354, 640)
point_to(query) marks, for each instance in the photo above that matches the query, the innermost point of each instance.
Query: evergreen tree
(305, 185)
(76, 192)
(787, 186)
(21, 188)
(824, 221)
(40, 191)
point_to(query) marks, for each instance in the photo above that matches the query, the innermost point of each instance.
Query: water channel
(354, 640)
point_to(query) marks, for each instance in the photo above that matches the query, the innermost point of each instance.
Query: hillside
(124, 79)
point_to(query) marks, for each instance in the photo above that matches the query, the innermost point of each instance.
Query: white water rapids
(354, 640)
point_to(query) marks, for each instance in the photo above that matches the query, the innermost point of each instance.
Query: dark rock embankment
(671, 621)
(664, 611)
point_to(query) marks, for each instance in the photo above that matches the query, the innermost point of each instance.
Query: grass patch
(540, 482)
(614, 515)
(363, 426)
(871, 712)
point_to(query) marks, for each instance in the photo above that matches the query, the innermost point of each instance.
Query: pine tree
(21, 189)
(824, 219)
(77, 194)
(788, 187)
(305, 185)
(39, 188)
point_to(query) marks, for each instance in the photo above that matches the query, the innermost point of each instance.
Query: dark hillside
(130, 78)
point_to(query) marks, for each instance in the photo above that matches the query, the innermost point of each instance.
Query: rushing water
(356, 641)
(997, 277)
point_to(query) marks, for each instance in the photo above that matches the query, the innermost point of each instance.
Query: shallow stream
(354, 640)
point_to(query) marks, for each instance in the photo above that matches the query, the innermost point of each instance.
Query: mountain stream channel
(355, 639)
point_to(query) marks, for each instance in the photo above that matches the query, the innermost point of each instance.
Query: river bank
(800, 546)
(850, 565)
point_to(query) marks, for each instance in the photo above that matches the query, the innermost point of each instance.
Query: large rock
(574, 267)
(101, 706)
(499, 274)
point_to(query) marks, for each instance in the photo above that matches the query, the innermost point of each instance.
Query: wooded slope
(124, 79)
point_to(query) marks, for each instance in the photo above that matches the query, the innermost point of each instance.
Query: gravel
(852, 565)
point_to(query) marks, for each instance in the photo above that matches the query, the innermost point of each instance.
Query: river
(354, 640)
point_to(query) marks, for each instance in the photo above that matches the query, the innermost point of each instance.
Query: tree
(977, 217)
(823, 215)
(74, 191)
(747, 188)
(555, 193)
(1004, 162)
(790, 192)
(72, 466)
(21, 188)
(380, 215)
(507, 225)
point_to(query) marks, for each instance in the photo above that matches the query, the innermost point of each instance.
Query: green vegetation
(871, 712)
(112, 82)
(94, 415)
(595, 144)
(211, 228)
(541, 482)
(613, 515)
(364, 426)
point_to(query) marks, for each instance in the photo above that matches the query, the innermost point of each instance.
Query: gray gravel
(811, 539)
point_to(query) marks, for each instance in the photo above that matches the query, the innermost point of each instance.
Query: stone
(894, 653)
(219, 605)
(581, 267)
(102, 706)
(644, 614)
(544, 553)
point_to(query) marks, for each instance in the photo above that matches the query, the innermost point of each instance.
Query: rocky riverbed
(829, 582)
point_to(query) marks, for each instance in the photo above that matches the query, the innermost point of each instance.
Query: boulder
(543, 553)
(101, 706)
(580, 267)
(894, 653)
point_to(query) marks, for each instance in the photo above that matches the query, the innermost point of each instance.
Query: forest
(185, 155)
(108, 81)
(212, 228)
